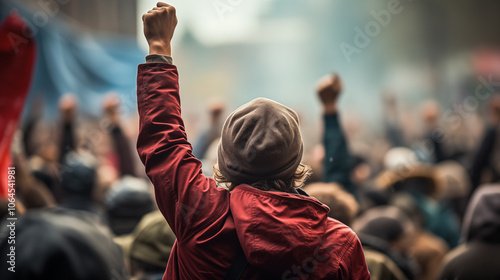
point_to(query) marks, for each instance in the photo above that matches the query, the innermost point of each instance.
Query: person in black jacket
(487, 158)
(479, 256)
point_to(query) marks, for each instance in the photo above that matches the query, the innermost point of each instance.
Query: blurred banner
(17, 57)
(73, 61)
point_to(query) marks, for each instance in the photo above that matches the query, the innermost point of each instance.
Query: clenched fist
(329, 89)
(111, 107)
(159, 26)
(68, 106)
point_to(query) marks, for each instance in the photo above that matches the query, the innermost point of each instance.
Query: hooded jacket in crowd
(478, 257)
(282, 235)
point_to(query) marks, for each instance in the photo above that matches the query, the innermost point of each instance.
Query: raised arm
(337, 163)
(185, 197)
(68, 107)
(120, 142)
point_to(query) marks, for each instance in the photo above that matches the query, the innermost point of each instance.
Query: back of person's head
(403, 172)
(454, 180)
(36, 195)
(149, 245)
(371, 197)
(343, 205)
(61, 244)
(45, 179)
(78, 174)
(387, 230)
(482, 217)
(126, 202)
(387, 224)
(455, 185)
(261, 145)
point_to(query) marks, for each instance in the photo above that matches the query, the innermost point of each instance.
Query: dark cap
(261, 140)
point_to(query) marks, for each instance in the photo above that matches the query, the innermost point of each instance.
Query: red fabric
(17, 57)
(283, 235)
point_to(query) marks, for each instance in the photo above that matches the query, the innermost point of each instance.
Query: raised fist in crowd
(328, 89)
(111, 107)
(67, 106)
(159, 25)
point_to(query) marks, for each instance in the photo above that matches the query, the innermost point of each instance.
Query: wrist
(160, 48)
(330, 109)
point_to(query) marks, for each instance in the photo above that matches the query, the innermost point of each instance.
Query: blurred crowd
(87, 211)
(423, 199)
(422, 193)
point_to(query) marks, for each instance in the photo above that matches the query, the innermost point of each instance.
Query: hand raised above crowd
(159, 26)
(68, 106)
(111, 108)
(328, 89)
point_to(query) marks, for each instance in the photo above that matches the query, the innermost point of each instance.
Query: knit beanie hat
(151, 241)
(78, 175)
(260, 140)
(126, 202)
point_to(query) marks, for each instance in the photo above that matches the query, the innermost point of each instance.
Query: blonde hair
(289, 185)
(342, 204)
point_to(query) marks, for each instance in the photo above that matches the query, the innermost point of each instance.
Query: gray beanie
(261, 140)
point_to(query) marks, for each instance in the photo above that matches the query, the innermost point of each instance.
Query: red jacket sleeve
(188, 200)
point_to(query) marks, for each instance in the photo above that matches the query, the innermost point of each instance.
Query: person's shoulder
(476, 259)
(455, 254)
(455, 259)
(337, 227)
(345, 247)
(471, 252)
(342, 235)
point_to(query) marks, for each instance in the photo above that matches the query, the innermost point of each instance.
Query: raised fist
(68, 106)
(159, 25)
(329, 88)
(111, 107)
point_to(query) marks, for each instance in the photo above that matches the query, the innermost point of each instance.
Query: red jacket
(283, 235)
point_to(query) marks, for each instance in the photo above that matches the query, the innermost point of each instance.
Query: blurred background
(420, 111)
(236, 50)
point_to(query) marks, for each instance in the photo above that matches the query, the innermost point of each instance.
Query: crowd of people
(255, 208)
